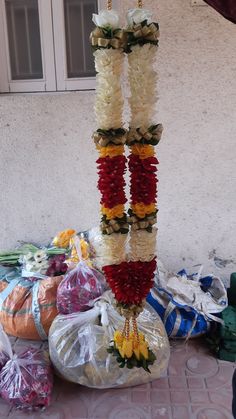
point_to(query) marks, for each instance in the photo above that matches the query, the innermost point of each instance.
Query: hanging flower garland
(108, 40)
(131, 279)
(143, 135)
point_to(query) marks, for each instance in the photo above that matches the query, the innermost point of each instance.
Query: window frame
(53, 49)
(48, 82)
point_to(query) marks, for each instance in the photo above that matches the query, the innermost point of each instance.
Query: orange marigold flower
(143, 151)
(141, 210)
(111, 151)
(117, 211)
(62, 239)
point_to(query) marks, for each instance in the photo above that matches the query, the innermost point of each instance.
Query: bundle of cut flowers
(55, 259)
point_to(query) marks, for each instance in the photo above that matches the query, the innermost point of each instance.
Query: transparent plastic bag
(79, 288)
(26, 380)
(5, 348)
(78, 346)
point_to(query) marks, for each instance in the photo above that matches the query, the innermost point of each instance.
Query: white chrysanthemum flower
(136, 16)
(109, 99)
(40, 255)
(106, 18)
(109, 250)
(142, 245)
(142, 79)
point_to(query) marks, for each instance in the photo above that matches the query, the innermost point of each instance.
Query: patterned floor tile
(197, 386)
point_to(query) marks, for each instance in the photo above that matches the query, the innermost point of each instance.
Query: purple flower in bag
(79, 287)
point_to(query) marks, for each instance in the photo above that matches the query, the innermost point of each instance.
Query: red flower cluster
(131, 281)
(111, 180)
(143, 179)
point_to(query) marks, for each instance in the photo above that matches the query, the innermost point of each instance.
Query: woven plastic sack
(27, 308)
(78, 346)
(188, 304)
(26, 380)
(79, 288)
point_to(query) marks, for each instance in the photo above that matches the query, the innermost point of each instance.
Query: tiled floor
(197, 387)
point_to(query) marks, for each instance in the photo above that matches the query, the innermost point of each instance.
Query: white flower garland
(143, 87)
(109, 250)
(109, 114)
(109, 62)
(109, 99)
(142, 245)
(143, 82)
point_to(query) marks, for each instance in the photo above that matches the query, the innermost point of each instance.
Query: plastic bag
(79, 250)
(26, 380)
(5, 348)
(187, 304)
(79, 288)
(78, 346)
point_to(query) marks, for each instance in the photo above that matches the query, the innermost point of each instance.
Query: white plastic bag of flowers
(78, 346)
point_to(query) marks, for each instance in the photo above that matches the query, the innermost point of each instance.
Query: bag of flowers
(26, 380)
(79, 347)
(28, 296)
(80, 286)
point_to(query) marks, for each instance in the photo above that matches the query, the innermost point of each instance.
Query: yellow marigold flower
(141, 210)
(127, 347)
(141, 336)
(118, 338)
(143, 348)
(63, 238)
(117, 211)
(136, 349)
(111, 151)
(122, 353)
(143, 151)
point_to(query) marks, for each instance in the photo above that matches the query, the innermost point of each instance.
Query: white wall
(48, 172)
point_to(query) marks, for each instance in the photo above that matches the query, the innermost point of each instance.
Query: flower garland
(130, 275)
(108, 41)
(143, 135)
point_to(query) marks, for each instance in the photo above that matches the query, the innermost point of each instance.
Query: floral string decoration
(108, 42)
(130, 276)
(130, 346)
(110, 136)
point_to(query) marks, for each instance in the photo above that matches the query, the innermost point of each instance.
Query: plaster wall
(47, 159)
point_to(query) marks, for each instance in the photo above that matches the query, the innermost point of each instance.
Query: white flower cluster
(109, 249)
(35, 262)
(106, 19)
(109, 99)
(142, 245)
(136, 16)
(143, 81)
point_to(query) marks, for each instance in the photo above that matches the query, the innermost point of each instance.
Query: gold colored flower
(62, 239)
(117, 211)
(143, 151)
